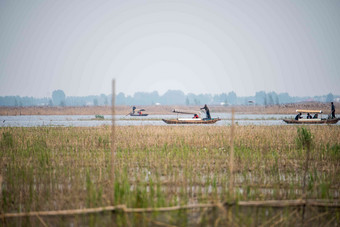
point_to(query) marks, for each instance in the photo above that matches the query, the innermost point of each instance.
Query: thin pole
(113, 145)
(304, 194)
(231, 161)
(231, 164)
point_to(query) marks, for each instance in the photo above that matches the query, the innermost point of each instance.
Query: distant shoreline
(164, 110)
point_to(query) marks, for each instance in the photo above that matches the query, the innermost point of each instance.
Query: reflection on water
(122, 120)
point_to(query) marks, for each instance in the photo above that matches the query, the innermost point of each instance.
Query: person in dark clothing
(315, 116)
(207, 111)
(333, 110)
(297, 117)
(133, 109)
(309, 116)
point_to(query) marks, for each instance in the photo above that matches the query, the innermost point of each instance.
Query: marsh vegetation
(164, 109)
(62, 168)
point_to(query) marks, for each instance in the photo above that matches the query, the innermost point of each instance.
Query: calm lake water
(122, 120)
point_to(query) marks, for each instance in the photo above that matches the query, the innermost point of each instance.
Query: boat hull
(311, 121)
(177, 121)
(138, 115)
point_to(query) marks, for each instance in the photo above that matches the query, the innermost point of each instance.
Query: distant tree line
(171, 97)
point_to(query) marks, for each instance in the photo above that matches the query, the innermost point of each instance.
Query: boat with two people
(196, 119)
(316, 119)
(137, 112)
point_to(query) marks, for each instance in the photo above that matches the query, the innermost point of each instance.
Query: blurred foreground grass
(56, 168)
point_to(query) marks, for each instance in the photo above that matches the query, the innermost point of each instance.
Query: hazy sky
(196, 46)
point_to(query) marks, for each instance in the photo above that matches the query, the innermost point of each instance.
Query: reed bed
(159, 110)
(63, 168)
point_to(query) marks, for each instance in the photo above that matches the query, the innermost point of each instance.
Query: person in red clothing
(195, 116)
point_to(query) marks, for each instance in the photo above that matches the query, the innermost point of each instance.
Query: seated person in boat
(315, 116)
(309, 116)
(207, 111)
(297, 117)
(195, 116)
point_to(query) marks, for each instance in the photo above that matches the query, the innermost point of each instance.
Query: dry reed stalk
(284, 218)
(60, 212)
(331, 220)
(318, 216)
(42, 221)
(113, 144)
(225, 212)
(304, 194)
(269, 203)
(231, 160)
(158, 223)
(271, 219)
(231, 164)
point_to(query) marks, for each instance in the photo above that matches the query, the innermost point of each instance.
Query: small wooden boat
(194, 120)
(138, 115)
(311, 120)
(191, 121)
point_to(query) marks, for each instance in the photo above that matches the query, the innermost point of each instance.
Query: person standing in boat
(297, 117)
(133, 109)
(207, 111)
(333, 110)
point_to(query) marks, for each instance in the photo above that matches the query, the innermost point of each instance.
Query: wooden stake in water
(113, 145)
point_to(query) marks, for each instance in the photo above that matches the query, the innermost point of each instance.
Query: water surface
(122, 120)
